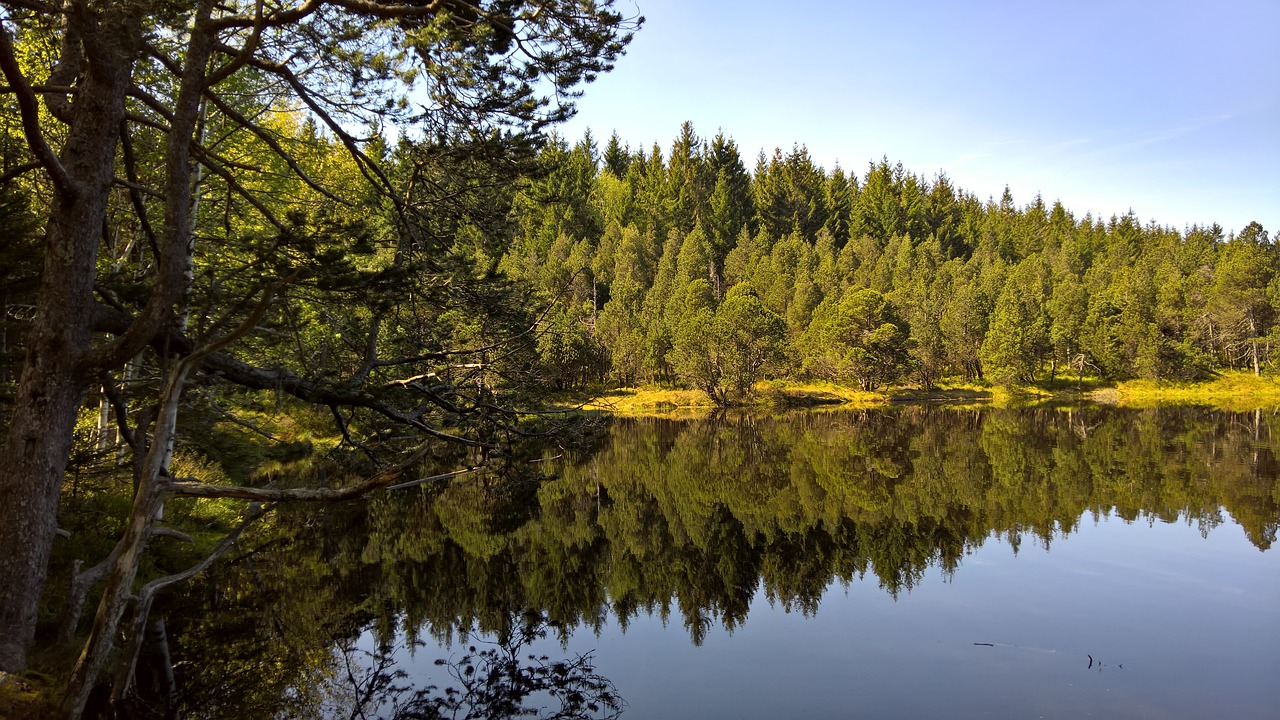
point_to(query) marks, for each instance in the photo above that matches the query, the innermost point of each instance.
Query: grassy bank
(771, 395)
(669, 402)
(1230, 391)
(1237, 391)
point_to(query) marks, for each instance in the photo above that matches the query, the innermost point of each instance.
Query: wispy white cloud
(1157, 136)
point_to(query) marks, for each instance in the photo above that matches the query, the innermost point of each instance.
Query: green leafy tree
(748, 337)
(859, 338)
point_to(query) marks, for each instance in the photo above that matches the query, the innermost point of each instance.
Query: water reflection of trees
(697, 518)
(490, 679)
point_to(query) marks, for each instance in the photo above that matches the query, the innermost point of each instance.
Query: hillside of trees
(685, 267)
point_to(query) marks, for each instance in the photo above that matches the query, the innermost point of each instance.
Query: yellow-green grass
(1233, 390)
(669, 402)
(1229, 391)
(952, 393)
(792, 393)
(651, 401)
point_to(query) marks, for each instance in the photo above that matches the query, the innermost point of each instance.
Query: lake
(903, 562)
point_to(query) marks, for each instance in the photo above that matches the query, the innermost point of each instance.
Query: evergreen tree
(729, 208)
(840, 192)
(859, 338)
(748, 337)
(944, 216)
(1018, 337)
(617, 158)
(1241, 297)
(688, 180)
(790, 194)
(878, 210)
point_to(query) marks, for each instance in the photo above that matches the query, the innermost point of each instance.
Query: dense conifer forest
(683, 266)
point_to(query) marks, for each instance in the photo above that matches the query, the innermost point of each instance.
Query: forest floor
(24, 699)
(1234, 391)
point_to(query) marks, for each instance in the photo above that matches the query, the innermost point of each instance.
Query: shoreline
(1232, 392)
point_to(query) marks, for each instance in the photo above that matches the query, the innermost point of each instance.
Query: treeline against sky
(684, 266)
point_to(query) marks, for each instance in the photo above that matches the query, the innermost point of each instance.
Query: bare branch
(18, 171)
(346, 433)
(81, 583)
(246, 51)
(186, 488)
(284, 17)
(275, 146)
(208, 160)
(34, 6)
(121, 411)
(138, 187)
(441, 476)
(135, 195)
(171, 533)
(230, 416)
(125, 671)
(236, 371)
(377, 179)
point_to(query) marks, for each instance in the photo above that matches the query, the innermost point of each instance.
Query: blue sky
(1171, 109)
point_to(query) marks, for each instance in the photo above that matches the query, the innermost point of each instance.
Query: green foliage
(790, 194)
(723, 352)
(980, 291)
(858, 339)
(1018, 339)
(748, 336)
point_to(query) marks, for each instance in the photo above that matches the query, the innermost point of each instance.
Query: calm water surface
(899, 563)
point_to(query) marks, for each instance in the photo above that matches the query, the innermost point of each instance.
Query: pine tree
(858, 338)
(617, 158)
(688, 180)
(840, 191)
(1018, 336)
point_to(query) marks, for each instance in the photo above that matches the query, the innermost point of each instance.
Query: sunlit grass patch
(950, 393)
(795, 393)
(645, 401)
(1235, 390)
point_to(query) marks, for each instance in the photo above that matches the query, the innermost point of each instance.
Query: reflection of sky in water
(1193, 621)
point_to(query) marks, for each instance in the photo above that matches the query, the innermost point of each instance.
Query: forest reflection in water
(701, 525)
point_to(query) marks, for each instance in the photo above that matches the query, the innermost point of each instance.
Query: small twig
(441, 476)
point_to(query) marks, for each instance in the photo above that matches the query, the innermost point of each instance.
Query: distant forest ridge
(682, 266)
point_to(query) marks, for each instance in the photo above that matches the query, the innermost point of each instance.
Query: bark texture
(54, 380)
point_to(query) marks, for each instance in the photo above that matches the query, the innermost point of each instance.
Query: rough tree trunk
(52, 384)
